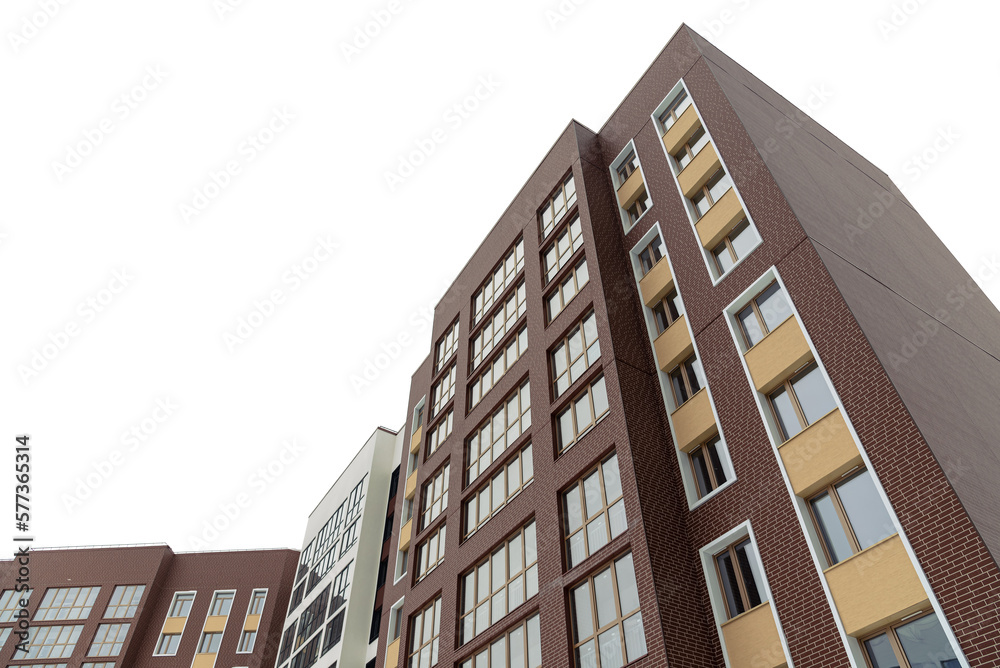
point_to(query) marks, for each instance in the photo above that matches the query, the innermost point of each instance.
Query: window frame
(894, 641)
(133, 602)
(579, 488)
(568, 202)
(786, 385)
(665, 304)
(706, 190)
(688, 147)
(755, 308)
(741, 584)
(447, 345)
(627, 166)
(443, 391)
(638, 208)
(845, 521)
(416, 644)
(481, 346)
(117, 627)
(726, 245)
(209, 636)
(682, 370)
(571, 407)
(654, 247)
(573, 274)
(671, 110)
(521, 391)
(715, 442)
(479, 311)
(429, 501)
(220, 598)
(82, 610)
(523, 455)
(518, 343)
(620, 616)
(575, 243)
(563, 346)
(439, 539)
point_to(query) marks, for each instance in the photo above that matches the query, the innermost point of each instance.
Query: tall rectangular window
(667, 311)
(446, 347)
(593, 511)
(502, 277)
(562, 249)
(257, 602)
(499, 583)
(109, 640)
(51, 642)
(763, 314)
(706, 465)
(181, 605)
(340, 585)
(443, 390)
(734, 247)
(222, 603)
(521, 647)
(430, 553)
(499, 490)
(434, 497)
(557, 205)
(740, 578)
(209, 643)
(510, 419)
(439, 433)
(638, 207)
(650, 255)
(686, 379)
(607, 622)
(686, 153)
(800, 401)
(425, 631)
(570, 286)
(710, 193)
(574, 354)
(493, 331)
(502, 363)
(850, 516)
(124, 601)
(674, 110)
(585, 411)
(66, 603)
(914, 643)
(247, 641)
(334, 631)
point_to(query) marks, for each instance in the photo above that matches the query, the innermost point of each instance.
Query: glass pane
(515, 593)
(752, 580)
(751, 327)
(530, 553)
(583, 415)
(616, 518)
(743, 240)
(604, 597)
(865, 510)
(517, 648)
(925, 644)
(628, 593)
(514, 550)
(773, 306)
(831, 528)
(693, 367)
(701, 472)
(610, 643)
(788, 420)
(814, 395)
(879, 651)
(498, 653)
(680, 389)
(600, 397)
(534, 643)
(577, 549)
(635, 638)
(719, 188)
(586, 656)
(730, 586)
(723, 258)
(675, 304)
(717, 469)
(597, 534)
(574, 514)
(592, 493)
(612, 480)
(583, 619)
(566, 434)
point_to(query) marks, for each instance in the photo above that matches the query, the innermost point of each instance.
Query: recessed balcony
(629, 191)
(720, 219)
(699, 171)
(405, 534)
(411, 486)
(777, 355)
(694, 421)
(673, 344)
(820, 454)
(752, 640)
(415, 440)
(655, 285)
(681, 131)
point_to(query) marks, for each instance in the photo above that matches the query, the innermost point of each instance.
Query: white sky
(161, 337)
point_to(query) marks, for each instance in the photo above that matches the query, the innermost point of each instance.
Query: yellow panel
(405, 533)
(657, 283)
(681, 131)
(699, 170)
(411, 486)
(415, 441)
(694, 421)
(777, 355)
(673, 345)
(215, 624)
(252, 622)
(203, 661)
(174, 624)
(720, 219)
(820, 454)
(876, 587)
(752, 640)
(629, 191)
(392, 654)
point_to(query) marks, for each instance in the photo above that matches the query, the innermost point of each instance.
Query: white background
(887, 77)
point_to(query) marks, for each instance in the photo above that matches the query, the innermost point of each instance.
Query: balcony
(681, 131)
(876, 587)
(777, 355)
(720, 219)
(694, 421)
(215, 623)
(392, 654)
(203, 661)
(405, 534)
(752, 640)
(673, 345)
(415, 439)
(657, 283)
(820, 454)
(252, 623)
(411, 486)
(699, 170)
(174, 625)
(629, 191)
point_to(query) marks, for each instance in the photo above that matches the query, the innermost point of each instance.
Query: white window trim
(687, 477)
(613, 168)
(396, 609)
(173, 599)
(247, 616)
(854, 650)
(718, 598)
(706, 253)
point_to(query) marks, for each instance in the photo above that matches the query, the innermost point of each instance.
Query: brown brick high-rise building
(147, 607)
(710, 393)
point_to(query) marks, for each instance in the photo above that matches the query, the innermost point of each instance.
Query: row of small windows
(220, 606)
(69, 603)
